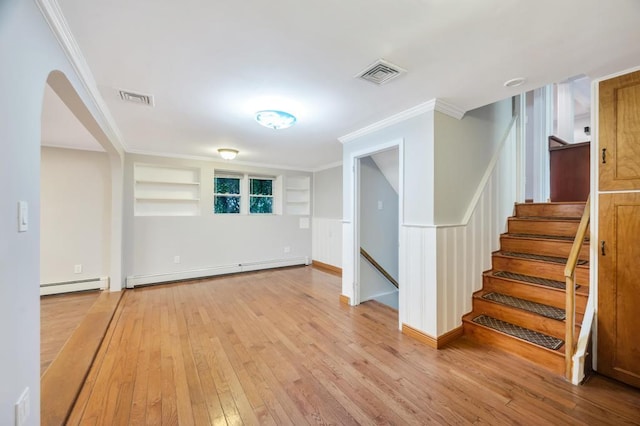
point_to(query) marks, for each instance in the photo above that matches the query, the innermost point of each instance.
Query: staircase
(521, 306)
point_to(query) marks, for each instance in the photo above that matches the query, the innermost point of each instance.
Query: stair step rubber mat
(531, 336)
(546, 237)
(530, 279)
(527, 305)
(552, 259)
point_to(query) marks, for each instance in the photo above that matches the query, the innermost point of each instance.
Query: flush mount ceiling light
(228, 153)
(515, 82)
(275, 119)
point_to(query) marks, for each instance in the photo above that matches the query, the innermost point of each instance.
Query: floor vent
(136, 98)
(381, 72)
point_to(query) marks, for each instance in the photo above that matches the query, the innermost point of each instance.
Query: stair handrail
(379, 267)
(570, 280)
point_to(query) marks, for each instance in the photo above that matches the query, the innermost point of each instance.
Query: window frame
(228, 175)
(245, 192)
(272, 179)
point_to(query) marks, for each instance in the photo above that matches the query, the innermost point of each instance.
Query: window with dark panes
(260, 195)
(226, 194)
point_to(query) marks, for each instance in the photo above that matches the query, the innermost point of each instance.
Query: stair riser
(549, 210)
(534, 293)
(551, 360)
(552, 271)
(541, 247)
(543, 227)
(519, 317)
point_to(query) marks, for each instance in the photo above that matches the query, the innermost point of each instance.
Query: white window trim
(227, 175)
(245, 193)
(272, 196)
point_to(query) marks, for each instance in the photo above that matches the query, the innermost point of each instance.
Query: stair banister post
(570, 280)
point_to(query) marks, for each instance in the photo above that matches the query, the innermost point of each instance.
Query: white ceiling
(211, 64)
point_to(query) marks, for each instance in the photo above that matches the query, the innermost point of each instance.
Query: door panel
(619, 287)
(619, 126)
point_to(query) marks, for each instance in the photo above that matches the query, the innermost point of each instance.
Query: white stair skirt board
(71, 286)
(137, 280)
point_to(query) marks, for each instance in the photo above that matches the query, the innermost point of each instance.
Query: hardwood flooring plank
(63, 380)
(60, 316)
(276, 347)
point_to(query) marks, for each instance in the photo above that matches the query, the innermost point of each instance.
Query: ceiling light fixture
(515, 82)
(275, 119)
(228, 153)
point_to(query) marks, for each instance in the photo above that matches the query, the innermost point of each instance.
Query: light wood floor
(60, 315)
(276, 347)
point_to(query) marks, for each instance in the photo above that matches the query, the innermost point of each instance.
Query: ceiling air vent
(136, 98)
(381, 72)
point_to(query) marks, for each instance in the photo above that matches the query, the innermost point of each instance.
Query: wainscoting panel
(327, 241)
(417, 277)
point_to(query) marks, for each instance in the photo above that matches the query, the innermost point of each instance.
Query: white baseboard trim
(101, 283)
(137, 280)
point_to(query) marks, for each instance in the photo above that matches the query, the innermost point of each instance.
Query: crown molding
(432, 105)
(449, 109)
(328, 166)
(52, 14)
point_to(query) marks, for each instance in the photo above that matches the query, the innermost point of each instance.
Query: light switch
(379, 205)
(23, 216)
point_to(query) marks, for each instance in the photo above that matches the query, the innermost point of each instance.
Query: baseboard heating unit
(71, 286)
(137, 280)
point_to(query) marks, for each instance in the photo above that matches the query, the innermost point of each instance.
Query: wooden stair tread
(538, 257)
(535, 281)
(526, 305)
(551, 218)
(562, 238)
(550, 209)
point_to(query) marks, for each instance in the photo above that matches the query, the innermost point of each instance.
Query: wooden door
(619, 287)
(619, 127)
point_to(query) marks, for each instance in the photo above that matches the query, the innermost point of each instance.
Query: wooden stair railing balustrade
(570, 280)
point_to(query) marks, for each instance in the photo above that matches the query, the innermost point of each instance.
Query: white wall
(207, 241)
(529, 149)
(463, 150)
(417, 282)
(28, 53)
(327, 216)
(327, 193)
(464, 250)
(75, 195)
(378, 230)
(446, 164)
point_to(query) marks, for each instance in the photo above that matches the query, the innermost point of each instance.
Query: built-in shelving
(166, 190)
(298, 195)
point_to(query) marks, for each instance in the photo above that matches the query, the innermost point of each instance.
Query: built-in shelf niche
(166, 190)
(298, 195)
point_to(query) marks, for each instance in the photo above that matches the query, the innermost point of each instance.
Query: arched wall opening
(62, 87)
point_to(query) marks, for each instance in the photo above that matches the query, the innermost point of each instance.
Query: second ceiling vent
(381, 72)
(136, 98)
